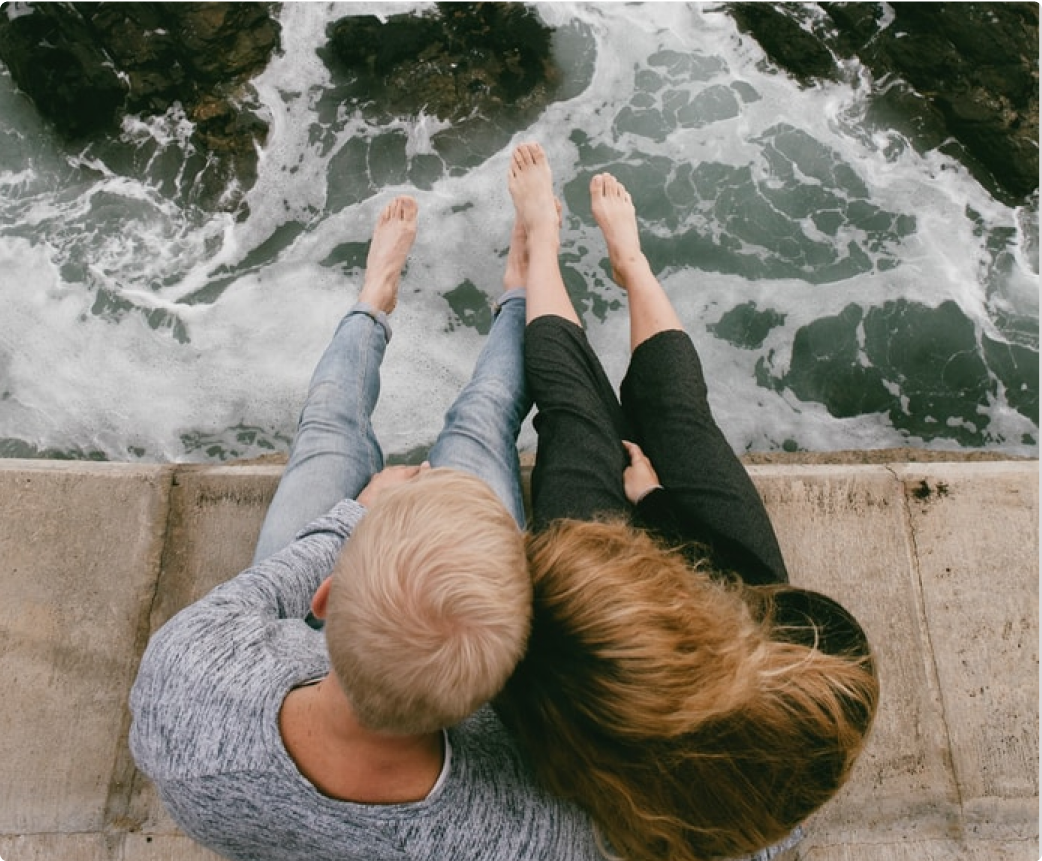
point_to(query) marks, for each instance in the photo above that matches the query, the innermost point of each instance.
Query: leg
(580, 458)
(481, 427)
(651, 311)
(531, 188)
(665, 401)
(578, 471)
(335, 451)
(480, 433)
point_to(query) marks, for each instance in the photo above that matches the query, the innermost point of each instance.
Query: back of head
(692, 718)
(430, 604)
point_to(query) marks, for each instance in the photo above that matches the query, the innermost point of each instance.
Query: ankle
(383, 297)
(631, 266)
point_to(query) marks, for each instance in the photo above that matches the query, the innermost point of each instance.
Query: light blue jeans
(335, 452)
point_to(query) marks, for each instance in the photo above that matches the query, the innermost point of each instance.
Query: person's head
(429, 604)
(691, 717)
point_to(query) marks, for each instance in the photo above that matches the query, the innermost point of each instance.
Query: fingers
(402, 470)
(635, 452)
(405, 473)
(639, 478)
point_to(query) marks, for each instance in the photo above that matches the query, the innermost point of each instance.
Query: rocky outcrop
(461, 60)
(969, 70)
(482, 69)
(970, 73)
(87, 65)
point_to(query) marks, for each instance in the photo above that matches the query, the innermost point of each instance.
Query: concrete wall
(938, 560)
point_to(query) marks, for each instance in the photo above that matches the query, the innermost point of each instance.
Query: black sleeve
(711, 498)
(580, 457)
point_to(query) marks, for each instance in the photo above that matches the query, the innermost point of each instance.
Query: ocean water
(844, 291)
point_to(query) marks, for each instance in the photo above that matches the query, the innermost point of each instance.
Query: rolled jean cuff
(513, 295)
(369, 311)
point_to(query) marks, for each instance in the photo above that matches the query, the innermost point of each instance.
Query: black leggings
(664, 409)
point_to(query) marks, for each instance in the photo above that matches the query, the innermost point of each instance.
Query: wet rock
(463, 59)
(970, 72)
(785, 41)
(87, 65)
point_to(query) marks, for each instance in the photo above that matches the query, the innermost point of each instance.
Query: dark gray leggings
(664, 409)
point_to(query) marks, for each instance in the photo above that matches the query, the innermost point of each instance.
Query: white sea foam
(106, 345)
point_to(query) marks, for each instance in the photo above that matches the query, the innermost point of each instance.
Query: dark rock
(55, 59)
(783, 40)
(87, 65)
(970, 70)
(463, 59)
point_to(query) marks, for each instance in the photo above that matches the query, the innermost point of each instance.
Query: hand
(387, 478)
(639, 477)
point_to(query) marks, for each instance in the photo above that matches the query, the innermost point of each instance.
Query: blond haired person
(269, 739)
(674, 685)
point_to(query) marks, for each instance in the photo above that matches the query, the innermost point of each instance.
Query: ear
(321, 599)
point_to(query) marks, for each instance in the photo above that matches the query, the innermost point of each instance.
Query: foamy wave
(173, 333)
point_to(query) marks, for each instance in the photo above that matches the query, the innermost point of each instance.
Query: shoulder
(208, 691)
(494, 805)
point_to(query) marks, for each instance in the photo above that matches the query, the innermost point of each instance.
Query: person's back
(209, 705)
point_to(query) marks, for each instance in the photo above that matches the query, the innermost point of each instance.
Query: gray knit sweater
(205, 729)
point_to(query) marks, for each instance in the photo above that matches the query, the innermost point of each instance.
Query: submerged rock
(970, 72)
(461, 60)
(921, 366)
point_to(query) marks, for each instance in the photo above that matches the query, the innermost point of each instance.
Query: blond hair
(430, 604)
(691, 719)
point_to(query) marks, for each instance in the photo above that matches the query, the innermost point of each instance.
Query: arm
(713, 500)
(194, 671)
(662, 512)
(283, 585)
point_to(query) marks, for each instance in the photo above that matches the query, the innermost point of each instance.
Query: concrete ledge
(938, 559)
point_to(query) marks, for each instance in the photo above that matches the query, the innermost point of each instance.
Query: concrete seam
(125, 775)
(932, 670)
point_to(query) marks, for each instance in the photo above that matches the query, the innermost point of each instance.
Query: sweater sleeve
(283, 584)
(183, 700)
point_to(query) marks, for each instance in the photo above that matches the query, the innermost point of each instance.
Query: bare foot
(516, 273)
(616, 216)
(531, 187)
(392, 240)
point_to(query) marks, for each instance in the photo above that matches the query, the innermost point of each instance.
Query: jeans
(335, 452)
